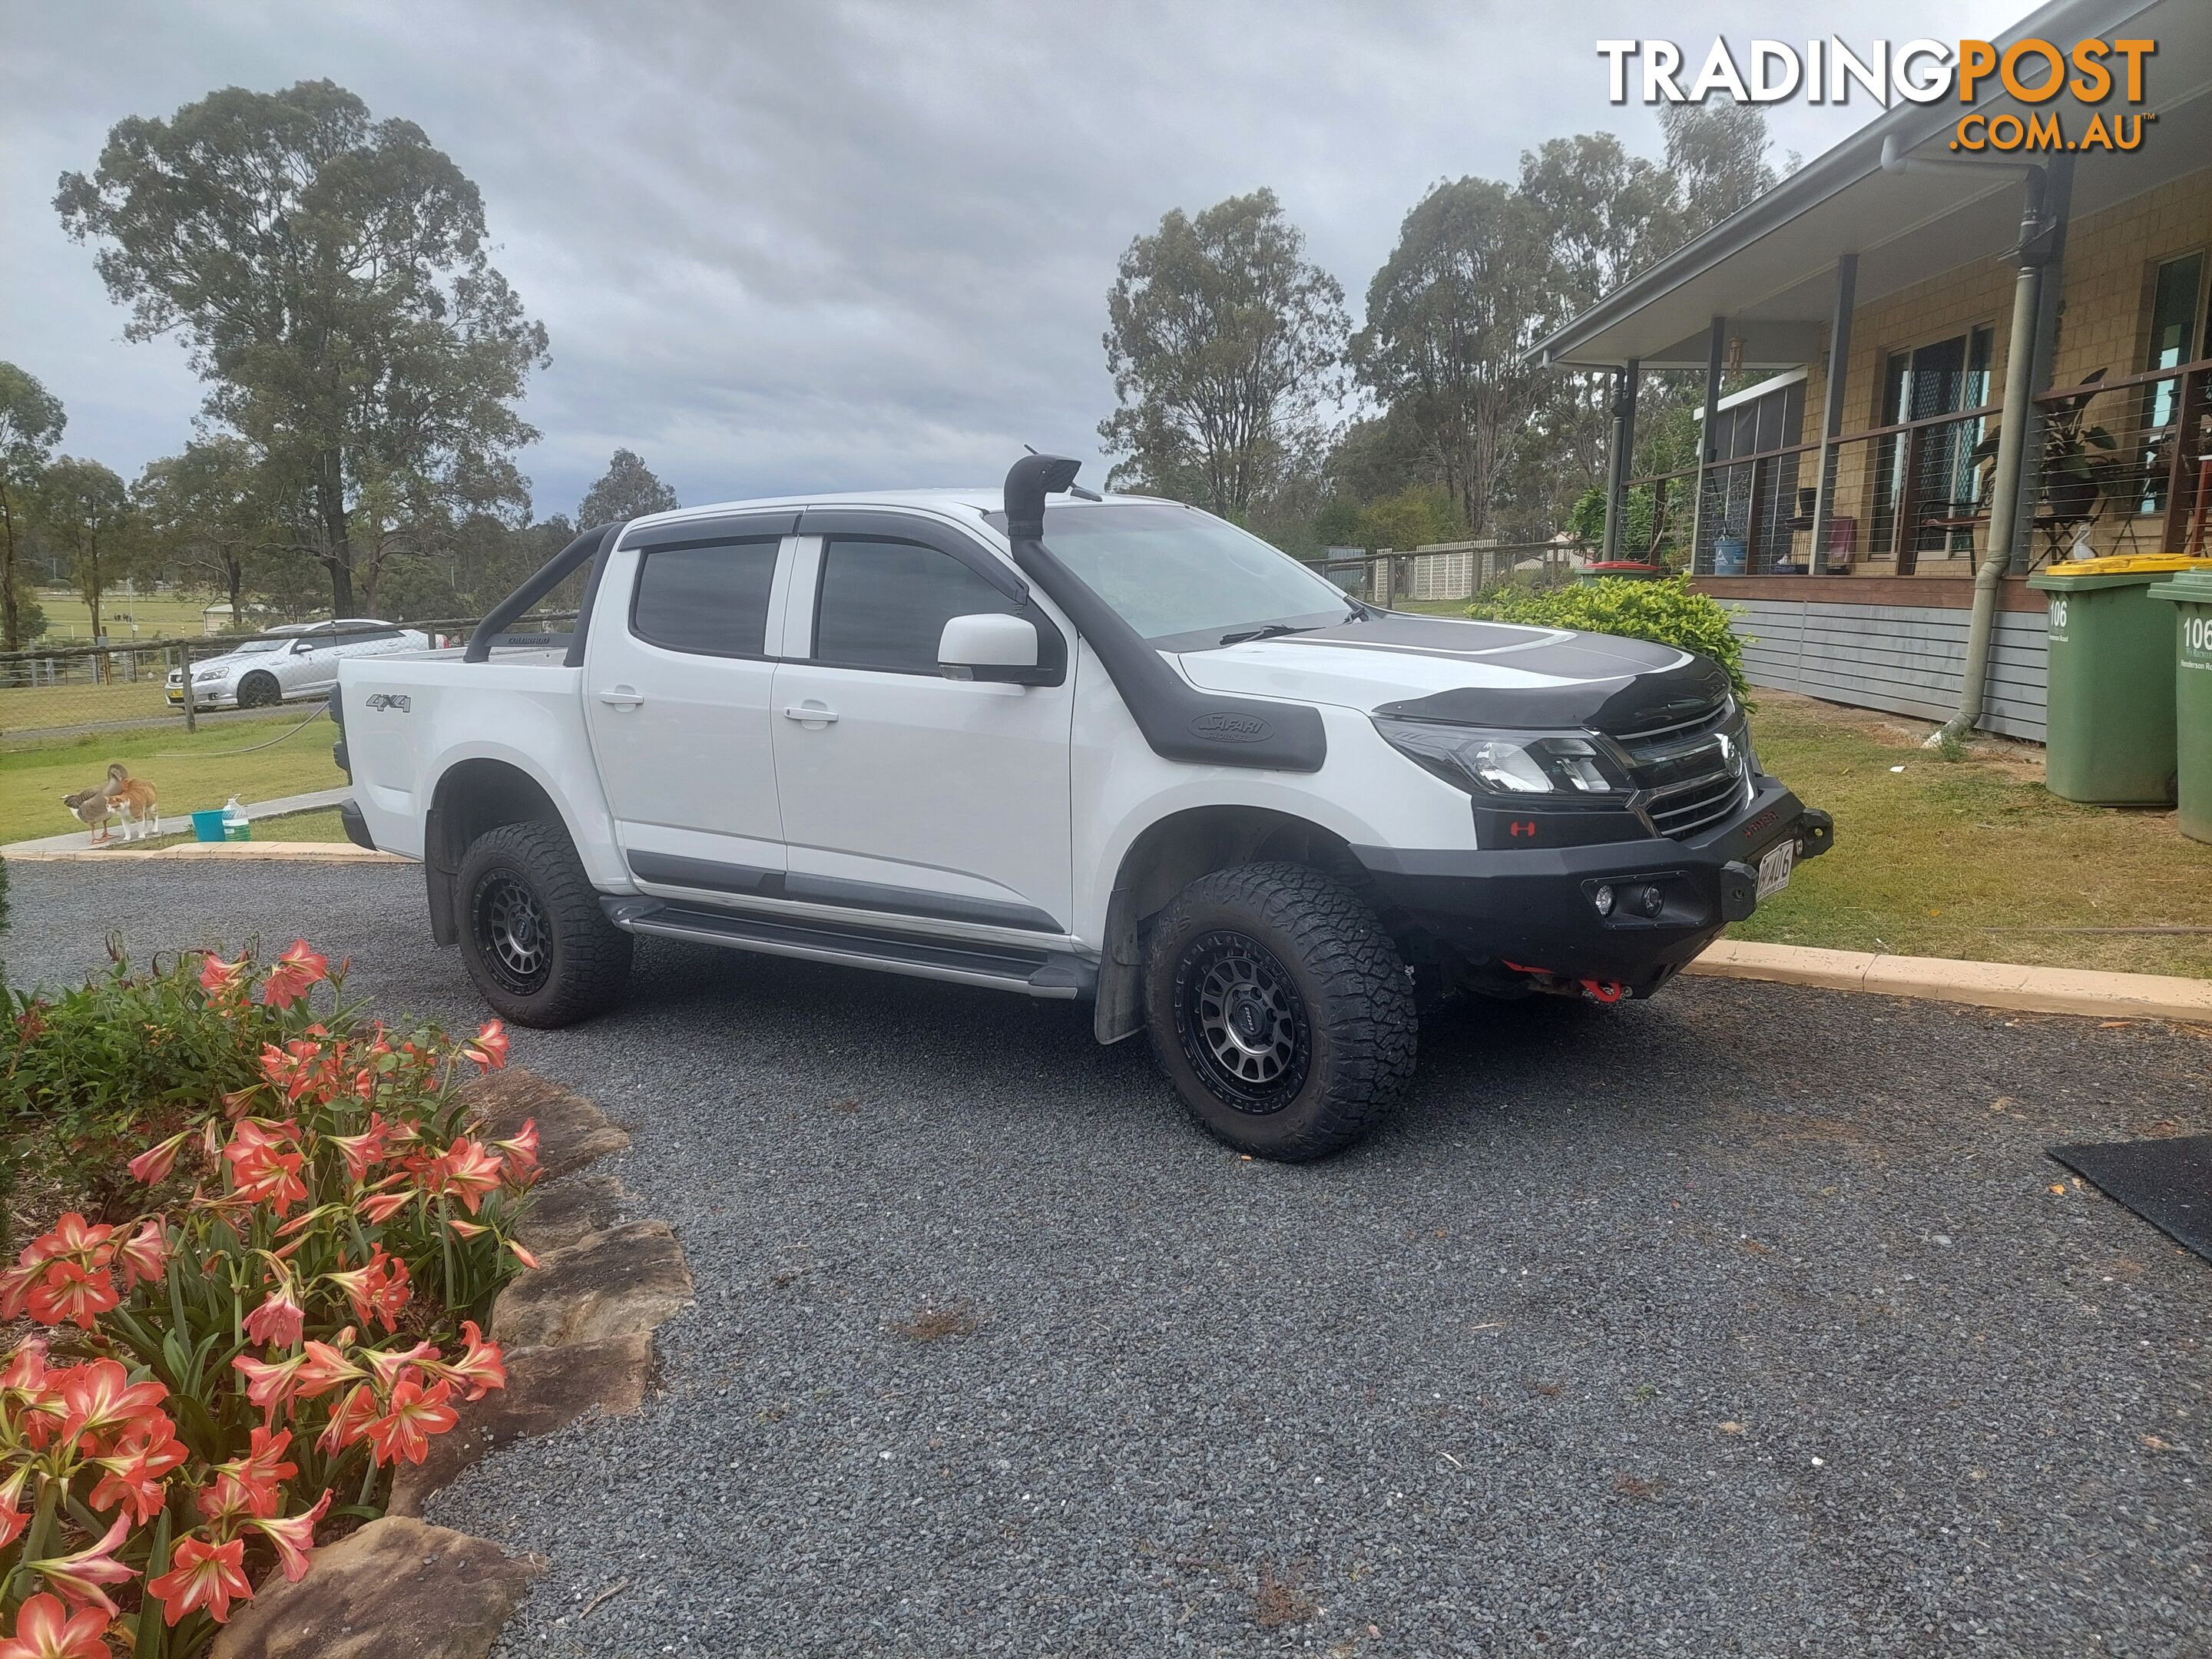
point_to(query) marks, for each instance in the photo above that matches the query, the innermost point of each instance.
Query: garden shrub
(287, 1310)
(1668, 612)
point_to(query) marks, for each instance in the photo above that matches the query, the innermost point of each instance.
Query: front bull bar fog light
(1650, 900)
(1603, 899)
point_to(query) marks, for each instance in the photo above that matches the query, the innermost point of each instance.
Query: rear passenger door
(678, 670)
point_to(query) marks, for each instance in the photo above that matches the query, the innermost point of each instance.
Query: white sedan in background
(296, 661)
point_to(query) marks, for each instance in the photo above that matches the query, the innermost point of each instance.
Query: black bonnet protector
(1607, 683)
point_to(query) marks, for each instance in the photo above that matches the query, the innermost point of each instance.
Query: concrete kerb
(1988, 984)
(204, 852)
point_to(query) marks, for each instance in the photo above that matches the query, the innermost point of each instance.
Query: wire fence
(1456, 570)
(2117, 465)
(72, 688)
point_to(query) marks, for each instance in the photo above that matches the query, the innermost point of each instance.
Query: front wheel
(1281, 1010)
(537, 942)
(259, 691)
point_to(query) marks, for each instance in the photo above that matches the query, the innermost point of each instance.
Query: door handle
(811, 714)
(620, 696)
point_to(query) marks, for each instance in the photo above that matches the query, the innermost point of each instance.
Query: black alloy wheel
(512, 934)
(1241, 1023)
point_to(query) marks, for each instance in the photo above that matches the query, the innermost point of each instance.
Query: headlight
(201, 675)
(1570, 770)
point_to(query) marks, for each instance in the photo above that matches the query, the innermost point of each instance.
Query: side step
(1005, 968)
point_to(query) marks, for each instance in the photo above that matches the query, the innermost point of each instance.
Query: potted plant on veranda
(2079, 466)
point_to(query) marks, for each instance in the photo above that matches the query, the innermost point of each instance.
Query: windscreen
(1183, 578)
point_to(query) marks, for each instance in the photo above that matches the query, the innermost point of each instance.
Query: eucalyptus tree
(84, 508)
(628, 490)
(31, 423)
(1226, 348)
(329, 275)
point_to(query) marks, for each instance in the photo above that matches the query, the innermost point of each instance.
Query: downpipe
(2015, 418)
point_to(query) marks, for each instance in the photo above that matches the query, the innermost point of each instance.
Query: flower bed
(297, 1232)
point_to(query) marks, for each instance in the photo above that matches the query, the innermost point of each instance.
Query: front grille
(1686, 808)
(1693, 767)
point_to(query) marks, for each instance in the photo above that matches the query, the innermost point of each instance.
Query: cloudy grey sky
(838, 243)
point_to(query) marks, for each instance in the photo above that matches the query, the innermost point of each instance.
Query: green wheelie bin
(2190, 592)
(2111, 711)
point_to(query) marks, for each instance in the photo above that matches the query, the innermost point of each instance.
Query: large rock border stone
(395, 1589)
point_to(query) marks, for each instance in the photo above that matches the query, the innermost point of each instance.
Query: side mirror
(989, 646)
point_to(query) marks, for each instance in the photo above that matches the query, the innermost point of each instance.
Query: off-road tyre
(1279, 1009)
(259, 691)
(537, 942)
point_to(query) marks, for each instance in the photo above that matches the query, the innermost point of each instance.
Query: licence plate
(1774, 868)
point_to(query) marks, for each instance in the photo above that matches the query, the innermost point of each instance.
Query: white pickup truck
(1108, 749)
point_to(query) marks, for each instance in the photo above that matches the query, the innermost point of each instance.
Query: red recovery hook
(1607, 990)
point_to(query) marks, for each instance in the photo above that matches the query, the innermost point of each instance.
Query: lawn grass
(192, 770)
(30, 711)
(1974, 858)
(159, 615)
(322, 824)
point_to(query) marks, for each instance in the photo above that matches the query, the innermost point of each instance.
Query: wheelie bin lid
(2192, 585)
(2073, 574)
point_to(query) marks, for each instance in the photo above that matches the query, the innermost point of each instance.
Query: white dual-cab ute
(1110, 749)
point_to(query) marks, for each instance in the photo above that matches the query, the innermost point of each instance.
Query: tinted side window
(885, 605)
(713, 600)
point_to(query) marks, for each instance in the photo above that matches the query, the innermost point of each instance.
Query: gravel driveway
(1744, 1322)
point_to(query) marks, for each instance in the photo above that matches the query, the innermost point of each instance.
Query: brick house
(1844, 520)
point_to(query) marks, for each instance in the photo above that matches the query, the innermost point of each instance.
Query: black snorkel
(1180, 722)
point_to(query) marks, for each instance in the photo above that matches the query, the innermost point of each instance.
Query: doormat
(2167, 1183)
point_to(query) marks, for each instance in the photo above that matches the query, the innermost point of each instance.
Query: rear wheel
(259, 691)
(1281, 1010)
(537, 942)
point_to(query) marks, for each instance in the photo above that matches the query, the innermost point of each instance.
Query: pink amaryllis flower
(487, 1048)
(265, 1461)
(65, 1294)
(293, 1535)
(363, 1152)
(413, 1415)
(388, 1369)
(265, 1164)
(154, 1163)
(100, 1399)
(145, 1254)
(279, 1320)
(12, 1518)
(202, 1575)
(218, 978)
(80, 1575)
(133, 1477)
(324, 1366)
(228, 1502)
(465, 1171)
(351, 1420)
(480, 1369)
(268, 1386)
(521, 1150)
(46, 1629)
(378, 1289)
(297, 972)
